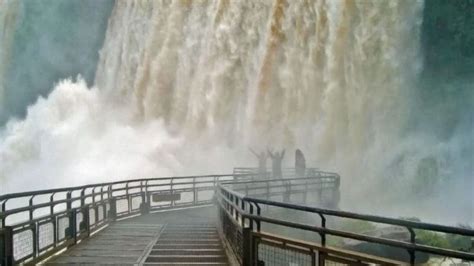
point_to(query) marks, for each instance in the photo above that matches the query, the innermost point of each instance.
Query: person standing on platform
(262, 163)
(300, 164)
(277, 158)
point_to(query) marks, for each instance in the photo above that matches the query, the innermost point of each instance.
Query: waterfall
(331, 77)
(332, 73)
(188, 86)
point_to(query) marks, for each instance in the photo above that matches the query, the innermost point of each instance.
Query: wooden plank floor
(130, 241)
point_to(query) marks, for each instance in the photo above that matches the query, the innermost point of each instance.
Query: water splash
(333, 77)
(186, 86)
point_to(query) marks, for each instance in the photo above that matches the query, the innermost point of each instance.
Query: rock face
(447, 37)
(392, 232)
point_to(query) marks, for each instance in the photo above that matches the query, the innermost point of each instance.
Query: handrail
(85, 209)
(236, 201)
(47, 191)
(352, 215)
(361, 237)
(367, 217)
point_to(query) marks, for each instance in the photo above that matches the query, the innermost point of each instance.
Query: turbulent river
(186, 87)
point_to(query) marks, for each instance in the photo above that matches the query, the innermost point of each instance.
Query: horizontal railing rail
(37, 224)
(247, 211)
(288, 172)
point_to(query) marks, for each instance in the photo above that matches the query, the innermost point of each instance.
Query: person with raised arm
(262, 162)
(277, 158)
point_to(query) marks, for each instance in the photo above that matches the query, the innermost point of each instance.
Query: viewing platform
(178, 236)
(244, 218)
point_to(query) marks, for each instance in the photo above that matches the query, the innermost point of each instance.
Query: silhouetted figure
(300, 164)
(262, 162)
(277, 158)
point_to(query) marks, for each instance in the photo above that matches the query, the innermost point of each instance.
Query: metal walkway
(121, 243)
(196, 244)
(244, 218)
(163, 238)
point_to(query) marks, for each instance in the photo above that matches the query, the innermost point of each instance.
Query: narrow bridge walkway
(179, 237)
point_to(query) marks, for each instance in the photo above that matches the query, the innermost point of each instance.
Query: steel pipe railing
(74, 213)
(235, 201)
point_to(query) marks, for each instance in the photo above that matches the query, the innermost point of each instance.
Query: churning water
(186, 87)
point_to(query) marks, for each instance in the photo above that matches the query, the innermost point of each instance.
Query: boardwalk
(187, 236)
(288, 221)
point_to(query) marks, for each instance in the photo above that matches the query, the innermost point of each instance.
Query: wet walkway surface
(178, 237)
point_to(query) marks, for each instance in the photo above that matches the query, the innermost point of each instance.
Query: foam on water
(187, 87)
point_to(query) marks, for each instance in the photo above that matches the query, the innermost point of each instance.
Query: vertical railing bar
(93, 195)
(83, 198)
(323, 225)
(251, 212)
(147, 196)
(31, 209)
(194, 191)
(33, 226)
(321, 258)
(237, 211)
(231, 206)
(55, 237)
(313, 257)
(4, 206)
(258, 213)
(129, 201)
(411, 252)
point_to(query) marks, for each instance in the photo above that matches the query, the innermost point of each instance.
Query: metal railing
(242, 217)
(286, 172)
(37, 224)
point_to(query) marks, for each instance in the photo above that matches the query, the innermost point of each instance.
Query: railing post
(147, 195)
(232, 211)
(236, 211)
(109, 192)
(83, 197)
(86, 220)
(323, 225)
(411, 252)
(321, 258)
(247, 246)
(336, 193)
(321, 254)
(31, 207)
(6, 246)
(71, 230)
(113, 209)
(251, 212)
(4, 203)
(258, 213)
(313, 258)
(129, 200)
(195, 196)
(55, 226)
(144, 206)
